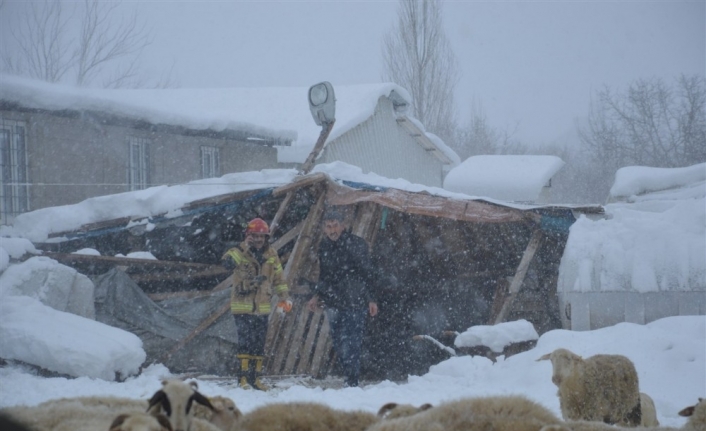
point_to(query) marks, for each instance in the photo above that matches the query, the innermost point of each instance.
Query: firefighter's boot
(243, 370)
(257, 382)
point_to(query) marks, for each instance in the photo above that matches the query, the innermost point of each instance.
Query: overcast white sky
(530, 63)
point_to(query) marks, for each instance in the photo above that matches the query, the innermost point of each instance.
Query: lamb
(304, 416)
(696, 415)
(394, 410)
(649, 411)
(507, 413)
(598, 388)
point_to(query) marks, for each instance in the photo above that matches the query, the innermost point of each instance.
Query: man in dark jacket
(345, 289)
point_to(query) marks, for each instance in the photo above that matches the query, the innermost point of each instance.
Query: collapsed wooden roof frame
(299, 342)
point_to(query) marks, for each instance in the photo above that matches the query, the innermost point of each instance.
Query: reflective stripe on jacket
(248, 297)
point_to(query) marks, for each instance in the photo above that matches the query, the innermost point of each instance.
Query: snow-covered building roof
(504, 177)
(281, 113)
(653, 240)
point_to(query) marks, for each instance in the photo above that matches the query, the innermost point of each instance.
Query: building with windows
(64, 144)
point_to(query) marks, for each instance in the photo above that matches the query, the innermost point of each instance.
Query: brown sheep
(598, 388)
(696, 422)
(303, 416)
(509, 413)
(394, 410)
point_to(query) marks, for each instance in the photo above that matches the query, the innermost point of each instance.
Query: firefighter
(257, 276)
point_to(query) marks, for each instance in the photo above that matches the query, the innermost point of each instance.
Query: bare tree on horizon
(417, 56)
(650, 124)
(49, 49)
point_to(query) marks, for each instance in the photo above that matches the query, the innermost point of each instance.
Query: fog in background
(529, 68)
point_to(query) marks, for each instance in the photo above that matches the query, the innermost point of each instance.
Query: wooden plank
(284, 341)
(516, 283)
(323, 346)
(287, 237)
(204, 324)
(118, 222)
(274, 224)
(305, 354)
(296, 346)
(145, 265)
(304, 241)
(299, 182)
(178, 276)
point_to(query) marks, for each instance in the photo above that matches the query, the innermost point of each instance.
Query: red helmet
(257, 225)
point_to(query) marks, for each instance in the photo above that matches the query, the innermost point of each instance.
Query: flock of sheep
(599, 393)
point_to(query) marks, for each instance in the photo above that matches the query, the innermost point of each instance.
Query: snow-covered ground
(669, 355)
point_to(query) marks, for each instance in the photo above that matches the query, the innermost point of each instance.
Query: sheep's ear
(117, 422)
(386, 409)
(202, 400)
(194, 384)
(425, 406)
(160, 397)
(687, 411)
(545, 357)
(164, 422)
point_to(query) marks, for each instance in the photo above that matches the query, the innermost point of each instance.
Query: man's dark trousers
(347, 328)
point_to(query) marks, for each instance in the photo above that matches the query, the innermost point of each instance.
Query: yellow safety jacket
(250, 294)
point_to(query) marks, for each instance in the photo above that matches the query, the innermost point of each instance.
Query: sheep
(175, 400)
(696, 422)
(140, 422)
(224, 415)
(696, 415)
(649, 412)
(304, 416)
(394, 410)
(507, 413)
(598, 388)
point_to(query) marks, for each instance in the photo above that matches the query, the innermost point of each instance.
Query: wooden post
(516, 283)
(309, 163)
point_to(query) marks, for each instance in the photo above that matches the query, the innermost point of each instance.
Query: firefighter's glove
(284, 306)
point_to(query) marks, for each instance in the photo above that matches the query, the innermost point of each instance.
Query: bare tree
(52, 50)
(417, 55)
(480, 137)
(650, 124)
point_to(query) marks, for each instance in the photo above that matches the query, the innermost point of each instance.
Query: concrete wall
(76, 156)
(381, 146)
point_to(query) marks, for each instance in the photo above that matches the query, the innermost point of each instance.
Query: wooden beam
(304, 241)
(145, 265)
(287, 237)
(516, 283)
(314, 154)
(274, 224)
(199, 329)
(225, 284)
(298, 183)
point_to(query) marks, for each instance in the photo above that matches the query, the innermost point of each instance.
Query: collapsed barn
(458, 263)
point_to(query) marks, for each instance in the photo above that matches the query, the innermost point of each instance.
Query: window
(138, 164)
(210, 163)
(14, 189)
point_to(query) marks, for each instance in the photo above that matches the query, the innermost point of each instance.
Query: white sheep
(696, 415)
(304, 416)
(140, 422)
(649, 411)
(598, 388)
(508, 413)
(224, 414)
(175, 400)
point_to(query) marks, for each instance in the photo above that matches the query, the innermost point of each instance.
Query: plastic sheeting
(121, 303)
